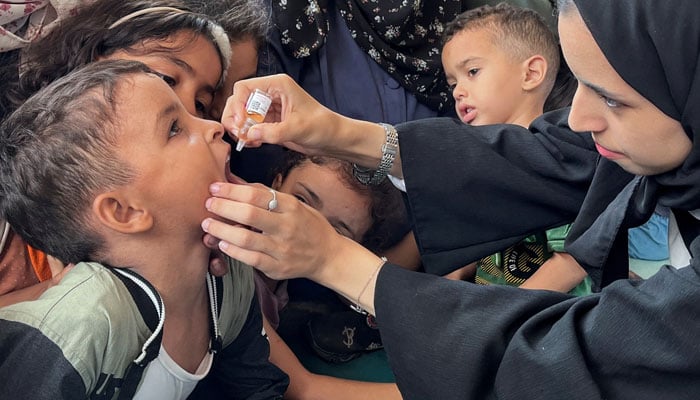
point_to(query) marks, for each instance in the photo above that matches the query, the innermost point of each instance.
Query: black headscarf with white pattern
(401, 36)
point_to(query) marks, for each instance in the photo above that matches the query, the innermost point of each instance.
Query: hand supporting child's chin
(217, 264)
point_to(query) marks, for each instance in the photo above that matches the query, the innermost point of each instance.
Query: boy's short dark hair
(520, 32)
(57, 153)
(390, 221)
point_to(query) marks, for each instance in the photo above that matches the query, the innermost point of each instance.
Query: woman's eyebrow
(599, 90)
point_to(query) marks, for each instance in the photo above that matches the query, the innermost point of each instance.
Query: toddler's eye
(473, 71)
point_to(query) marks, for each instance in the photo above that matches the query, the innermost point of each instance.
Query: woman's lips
(609, 154)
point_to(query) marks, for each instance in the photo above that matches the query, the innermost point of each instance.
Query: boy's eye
(168, 79)
(473, 71)
(174, 129)
(300, 198)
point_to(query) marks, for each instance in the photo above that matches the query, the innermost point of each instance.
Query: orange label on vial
(257, 105)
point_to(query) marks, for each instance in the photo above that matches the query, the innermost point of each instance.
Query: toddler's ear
(535, 71)
(114, 211)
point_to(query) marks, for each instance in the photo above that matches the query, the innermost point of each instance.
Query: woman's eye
(452, 86)
(610, 102)
(174, 129)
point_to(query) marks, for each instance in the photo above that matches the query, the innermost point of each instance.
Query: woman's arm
(297, 121)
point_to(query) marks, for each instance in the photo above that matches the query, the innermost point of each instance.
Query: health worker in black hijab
(473, 189)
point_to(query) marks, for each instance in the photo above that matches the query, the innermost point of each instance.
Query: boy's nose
(213, 130)
(458, 92)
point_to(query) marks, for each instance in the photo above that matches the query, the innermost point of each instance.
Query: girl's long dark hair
(84, 37)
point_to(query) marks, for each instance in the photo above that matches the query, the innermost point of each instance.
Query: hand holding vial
(256, 109)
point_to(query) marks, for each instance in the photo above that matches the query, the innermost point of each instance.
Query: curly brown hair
(387, 208)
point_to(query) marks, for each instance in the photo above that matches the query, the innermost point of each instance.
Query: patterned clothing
(519, 262)
(404, 38)
(24, 21)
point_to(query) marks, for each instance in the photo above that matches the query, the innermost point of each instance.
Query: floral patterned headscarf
(23, 21)
(403, 36)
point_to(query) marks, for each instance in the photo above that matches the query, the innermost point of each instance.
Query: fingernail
(207, 204)
(205, 225)
(214, 188)
(223, 245)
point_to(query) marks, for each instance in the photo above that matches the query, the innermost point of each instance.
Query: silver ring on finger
(272, 204)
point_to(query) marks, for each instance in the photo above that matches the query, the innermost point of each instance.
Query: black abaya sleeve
(478, 190)
(456, 340)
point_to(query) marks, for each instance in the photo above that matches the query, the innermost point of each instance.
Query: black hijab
(656, 50)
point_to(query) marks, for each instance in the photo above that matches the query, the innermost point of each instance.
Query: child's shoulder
(90, 315)
(89, 298)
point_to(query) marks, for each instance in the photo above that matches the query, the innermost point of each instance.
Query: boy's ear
(535, 69)
(116, 212)
(277, 182)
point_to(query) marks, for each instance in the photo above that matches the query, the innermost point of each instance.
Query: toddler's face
(320, 187)
(175, 155)
(485, 81)
(190, 67)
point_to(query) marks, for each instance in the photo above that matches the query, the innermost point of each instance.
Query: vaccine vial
(256, 108)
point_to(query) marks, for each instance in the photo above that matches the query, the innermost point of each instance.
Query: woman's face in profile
(626, 127)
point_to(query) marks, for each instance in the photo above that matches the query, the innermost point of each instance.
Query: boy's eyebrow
(467, 61)
(343, 225)
(165, 113)
(314, 196)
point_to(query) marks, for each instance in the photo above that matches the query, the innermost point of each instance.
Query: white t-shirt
(164, 379)
(678, 252)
